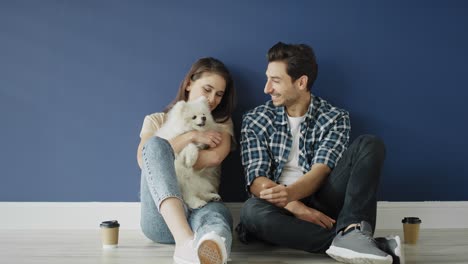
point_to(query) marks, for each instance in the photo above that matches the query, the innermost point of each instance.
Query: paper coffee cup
(411, 229)
(110, 233)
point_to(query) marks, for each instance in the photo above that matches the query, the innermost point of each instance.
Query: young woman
(202, 235)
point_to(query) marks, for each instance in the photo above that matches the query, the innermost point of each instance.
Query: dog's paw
(213, 197)
(189, 161)
(195, 203)
(189, 155)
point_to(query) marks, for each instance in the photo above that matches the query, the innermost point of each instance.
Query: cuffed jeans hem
(168, 196)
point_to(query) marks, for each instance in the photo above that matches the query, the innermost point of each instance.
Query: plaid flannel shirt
(266, 139)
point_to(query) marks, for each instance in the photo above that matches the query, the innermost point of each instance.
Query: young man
(309, 191)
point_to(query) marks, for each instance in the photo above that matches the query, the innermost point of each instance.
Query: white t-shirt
(291, 170)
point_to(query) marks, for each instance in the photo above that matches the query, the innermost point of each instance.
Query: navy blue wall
(78, 77)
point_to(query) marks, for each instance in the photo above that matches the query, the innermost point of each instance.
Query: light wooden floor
(42, 246)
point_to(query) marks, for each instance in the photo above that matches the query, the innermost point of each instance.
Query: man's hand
(276, 194)
(312, 215)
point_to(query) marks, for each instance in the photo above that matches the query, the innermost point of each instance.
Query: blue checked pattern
(266, 139)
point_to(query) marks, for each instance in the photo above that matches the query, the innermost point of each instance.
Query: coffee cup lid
(411, 220)
(110, 224)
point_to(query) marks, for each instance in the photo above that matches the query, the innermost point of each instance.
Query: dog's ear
(178, 107)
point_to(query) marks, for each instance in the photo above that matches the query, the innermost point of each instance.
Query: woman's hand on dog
(210, 138)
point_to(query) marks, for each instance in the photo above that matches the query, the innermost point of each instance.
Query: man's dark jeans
(348, 196)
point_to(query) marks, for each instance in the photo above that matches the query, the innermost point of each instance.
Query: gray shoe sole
(348, 256)
(399, 253)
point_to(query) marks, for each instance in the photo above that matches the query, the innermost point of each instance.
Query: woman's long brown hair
(210, 65)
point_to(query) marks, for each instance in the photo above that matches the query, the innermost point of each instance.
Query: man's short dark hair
(300, 60)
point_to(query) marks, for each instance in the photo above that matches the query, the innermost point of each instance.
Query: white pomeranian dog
(197, 186)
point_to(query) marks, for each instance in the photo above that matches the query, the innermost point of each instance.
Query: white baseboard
(88, 215)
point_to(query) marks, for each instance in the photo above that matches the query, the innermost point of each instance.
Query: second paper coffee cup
(411, 229)
(110, 233)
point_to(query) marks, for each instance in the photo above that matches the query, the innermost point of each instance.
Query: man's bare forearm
(261, 183)
(309, 183)
(294, 207)
(306, 185)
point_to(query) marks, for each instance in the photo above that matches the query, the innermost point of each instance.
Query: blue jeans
(158, 182)
(348, 195)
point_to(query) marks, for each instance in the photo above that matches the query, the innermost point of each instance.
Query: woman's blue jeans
(158, 182)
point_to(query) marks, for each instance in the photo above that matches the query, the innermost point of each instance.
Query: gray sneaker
(357, 246)
(392, 246)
